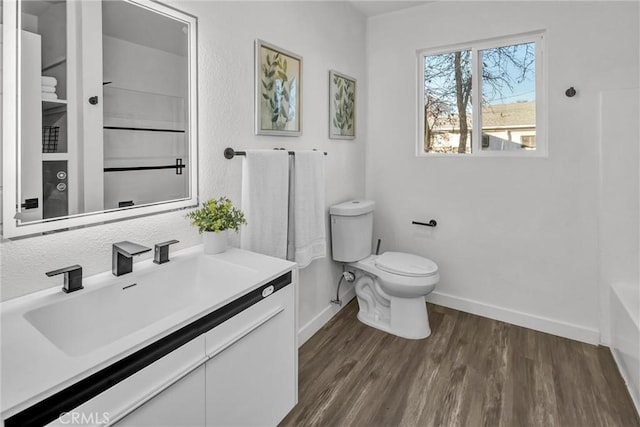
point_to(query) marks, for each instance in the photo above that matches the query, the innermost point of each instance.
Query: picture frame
(342, 106)
(278, 91)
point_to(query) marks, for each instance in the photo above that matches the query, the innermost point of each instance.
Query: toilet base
(408, 318)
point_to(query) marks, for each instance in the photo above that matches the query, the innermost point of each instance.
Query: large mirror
(99, 112)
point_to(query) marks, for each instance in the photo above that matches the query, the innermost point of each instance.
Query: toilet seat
(404, 264)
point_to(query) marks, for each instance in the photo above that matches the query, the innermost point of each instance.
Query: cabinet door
(169, 392)
(31, 126)
(179, 405)
(251, 376)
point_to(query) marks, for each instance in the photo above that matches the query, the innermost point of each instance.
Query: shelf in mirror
(49, 104)
(55, 63)
(55, 156)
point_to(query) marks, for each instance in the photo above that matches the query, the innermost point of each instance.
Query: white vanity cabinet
(249, 378)
(236, 366)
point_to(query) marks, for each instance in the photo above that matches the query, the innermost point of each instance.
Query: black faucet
(122, 254)
(72, 277)
(161, 251)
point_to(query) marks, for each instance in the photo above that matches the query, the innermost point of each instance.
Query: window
(483, 98)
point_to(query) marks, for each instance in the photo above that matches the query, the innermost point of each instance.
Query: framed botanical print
(342, 106)
(278, 90)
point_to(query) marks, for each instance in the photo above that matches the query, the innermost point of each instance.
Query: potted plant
(213, 220)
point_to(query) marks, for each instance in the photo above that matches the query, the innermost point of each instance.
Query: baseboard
(519, 318)
(314, 325)
(625, 376)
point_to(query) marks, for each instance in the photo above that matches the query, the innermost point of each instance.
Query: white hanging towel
(265, 195)
(309, 239)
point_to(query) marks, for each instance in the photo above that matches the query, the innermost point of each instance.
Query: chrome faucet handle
(122, 254)
(72, 277)
(161, 251)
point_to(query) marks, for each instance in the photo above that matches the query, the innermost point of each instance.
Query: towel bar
(230, 153)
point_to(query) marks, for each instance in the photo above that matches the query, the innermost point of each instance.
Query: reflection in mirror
(106, 121)
(144, 91)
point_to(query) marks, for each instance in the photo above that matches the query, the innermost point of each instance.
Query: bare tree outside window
(447, 91)
(507, 104)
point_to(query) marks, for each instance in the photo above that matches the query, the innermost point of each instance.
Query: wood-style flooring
(471, 371)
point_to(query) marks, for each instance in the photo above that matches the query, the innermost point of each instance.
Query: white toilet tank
(351, 230)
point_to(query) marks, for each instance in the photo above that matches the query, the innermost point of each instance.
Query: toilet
(390, 288)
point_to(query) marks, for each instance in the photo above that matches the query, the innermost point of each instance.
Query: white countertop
(33, 368)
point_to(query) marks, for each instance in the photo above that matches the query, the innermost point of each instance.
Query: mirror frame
(11, 107)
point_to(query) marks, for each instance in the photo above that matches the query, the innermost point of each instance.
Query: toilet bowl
(390, 288)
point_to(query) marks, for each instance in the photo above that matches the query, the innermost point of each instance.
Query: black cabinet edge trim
(50, 408)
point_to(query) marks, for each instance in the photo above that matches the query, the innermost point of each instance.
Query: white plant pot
(215, 243)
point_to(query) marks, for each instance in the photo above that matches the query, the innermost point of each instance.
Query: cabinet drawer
(251, 376)
(125, 397)
(242, 324)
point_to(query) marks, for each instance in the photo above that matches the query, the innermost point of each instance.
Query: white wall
(516, 238)
(328, 36)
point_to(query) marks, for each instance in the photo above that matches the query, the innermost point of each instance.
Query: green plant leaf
(217, 215)
(283, 76)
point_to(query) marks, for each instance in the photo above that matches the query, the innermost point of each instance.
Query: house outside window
(483, 99)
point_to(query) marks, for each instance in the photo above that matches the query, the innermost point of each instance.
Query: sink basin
(111, 308)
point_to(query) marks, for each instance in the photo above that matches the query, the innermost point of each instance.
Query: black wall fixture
(431, 223)
(571, 92)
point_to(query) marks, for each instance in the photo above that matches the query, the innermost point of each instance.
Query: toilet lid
(406, 264)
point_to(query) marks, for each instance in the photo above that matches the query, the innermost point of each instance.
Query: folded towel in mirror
(49, 81)
(48, 89)
(49, 95)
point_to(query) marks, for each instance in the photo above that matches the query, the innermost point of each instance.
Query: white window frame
(542, 148)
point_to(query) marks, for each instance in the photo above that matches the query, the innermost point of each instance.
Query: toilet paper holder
(431, 223)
